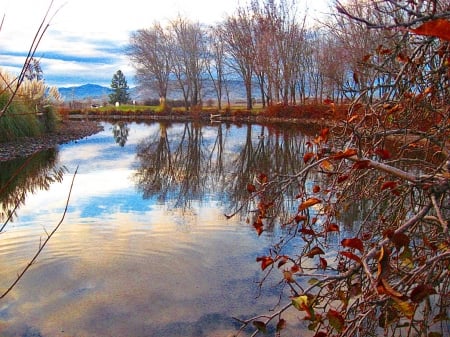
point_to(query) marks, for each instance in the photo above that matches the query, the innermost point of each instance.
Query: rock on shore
(68, 130)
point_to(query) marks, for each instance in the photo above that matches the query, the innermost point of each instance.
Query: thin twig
(42, 245)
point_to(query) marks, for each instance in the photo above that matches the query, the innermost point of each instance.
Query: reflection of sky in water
(121, 265)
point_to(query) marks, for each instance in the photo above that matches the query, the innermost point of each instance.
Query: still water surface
(145, 248)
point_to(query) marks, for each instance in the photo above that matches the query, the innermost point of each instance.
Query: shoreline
(68, 131)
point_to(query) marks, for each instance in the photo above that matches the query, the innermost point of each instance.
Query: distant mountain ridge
(100, 93)
(83, 92)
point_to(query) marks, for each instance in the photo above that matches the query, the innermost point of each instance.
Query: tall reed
(31, 112)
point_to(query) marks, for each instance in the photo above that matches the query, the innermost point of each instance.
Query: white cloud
(85, 40)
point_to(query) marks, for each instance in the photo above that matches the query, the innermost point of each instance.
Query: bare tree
(188, 59)
(215, 63)
(149, 52)
(237, 32)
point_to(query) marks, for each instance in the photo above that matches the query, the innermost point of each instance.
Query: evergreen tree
(119, 88)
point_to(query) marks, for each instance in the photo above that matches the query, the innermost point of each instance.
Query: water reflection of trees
(120, 133)
(20, 177)
(183, 164)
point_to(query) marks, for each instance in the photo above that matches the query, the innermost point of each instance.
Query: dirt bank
(68, 131)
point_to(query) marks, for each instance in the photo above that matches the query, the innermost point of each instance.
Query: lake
(145, 248)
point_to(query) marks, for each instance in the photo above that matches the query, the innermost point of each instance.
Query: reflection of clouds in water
(174, 283)
(124, 265)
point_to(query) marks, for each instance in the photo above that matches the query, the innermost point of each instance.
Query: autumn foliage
(388, 161)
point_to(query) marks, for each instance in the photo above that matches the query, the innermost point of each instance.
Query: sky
(86, 39)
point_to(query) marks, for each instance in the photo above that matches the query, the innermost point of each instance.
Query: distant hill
(100, 93)
(83, 92)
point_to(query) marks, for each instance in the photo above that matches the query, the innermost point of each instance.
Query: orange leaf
(315, 251)
(307, 157)
(384, 287)
(345, 154)
(288, 276)
(327, 166)
(351, 256)
(438, 28)
(265, 261)
(366, 57)
(402, 58)
(308, 203)
(383, 262)
(327, 101)
(351, 119)
(353, 243)
(316, 189)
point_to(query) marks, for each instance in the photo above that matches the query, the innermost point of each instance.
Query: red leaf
(262, 178)
(332, 227)
(353, 243)
(299, 218)
(342, 178)
(361, 164)
(320, 334)
(420, 292)
(438, 28)
(315, 251)
(336, 320)
(251, 188)
(324, 133)
(265, 261)
(327, 101)
(351, 256)
(307, 157)
(259, 226)
(283, 261)
(400, 240)
(281, 324)
(323, 263)
(402, 58)
(382, 153)
(316, 189)
(306, 231)
(389, 184)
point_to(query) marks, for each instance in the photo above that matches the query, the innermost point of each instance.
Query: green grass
(126, 108)
(20, 120)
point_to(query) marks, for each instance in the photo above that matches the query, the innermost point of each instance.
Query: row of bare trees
(268, 46)
(265, 44)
